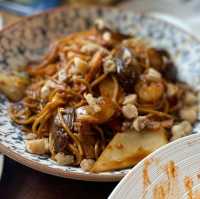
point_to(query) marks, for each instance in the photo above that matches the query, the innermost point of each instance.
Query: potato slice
(128, 148)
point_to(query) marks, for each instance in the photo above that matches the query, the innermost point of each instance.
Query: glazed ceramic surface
(29, 39)
(152, 178)
(1, 165)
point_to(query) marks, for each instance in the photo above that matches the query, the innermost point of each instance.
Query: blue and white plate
(29, 39)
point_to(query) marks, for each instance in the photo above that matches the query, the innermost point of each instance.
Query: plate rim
(68, 7)
(85, 176)
(1, 165)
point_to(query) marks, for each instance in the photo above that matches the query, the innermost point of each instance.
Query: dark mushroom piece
(58, 138)
(160, 60)
(169, 71)
(155, 59)
(128, 68)
(87, 138)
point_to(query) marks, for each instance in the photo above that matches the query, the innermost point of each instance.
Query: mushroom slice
(128, 148)
(58, 138)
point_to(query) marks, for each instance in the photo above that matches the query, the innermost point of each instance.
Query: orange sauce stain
(171, 170)
(188, 186)
(146, 179)
(169, 188)
(196, 195)
(159, 192)
(120, 146)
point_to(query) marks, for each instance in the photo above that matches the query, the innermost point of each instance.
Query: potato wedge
(128, 148)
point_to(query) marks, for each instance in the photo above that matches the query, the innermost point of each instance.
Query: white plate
(152, 177)
(1, 165)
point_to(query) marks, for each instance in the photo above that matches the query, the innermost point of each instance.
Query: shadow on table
(20, 182)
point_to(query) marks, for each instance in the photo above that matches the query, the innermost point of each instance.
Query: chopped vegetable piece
(128, 148)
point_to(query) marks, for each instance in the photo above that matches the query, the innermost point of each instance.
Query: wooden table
(20, 182)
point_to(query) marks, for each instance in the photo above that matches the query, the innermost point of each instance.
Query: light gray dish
(172, 170)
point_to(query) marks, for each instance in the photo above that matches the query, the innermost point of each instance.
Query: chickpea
(37, 146)
(63, 159)
(191, 98)
(180, 130)
(152, 75)
(129, 111)
(172, 89)
(87, 164)
(189, 114)
(130, 99)
(139, 123)
(150, 92)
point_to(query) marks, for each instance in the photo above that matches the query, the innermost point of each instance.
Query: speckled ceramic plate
(171, 172)
(29, 39)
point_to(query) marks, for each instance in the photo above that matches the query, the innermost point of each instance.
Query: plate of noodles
(88, 93)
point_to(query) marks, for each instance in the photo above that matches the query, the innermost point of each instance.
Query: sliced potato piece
(128, 148)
